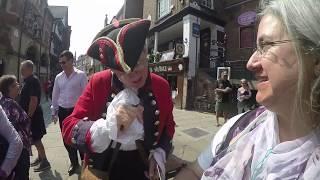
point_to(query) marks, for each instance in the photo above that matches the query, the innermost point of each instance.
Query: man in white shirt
(68, 86)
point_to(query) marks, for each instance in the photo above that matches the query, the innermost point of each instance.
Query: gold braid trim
(123, 64)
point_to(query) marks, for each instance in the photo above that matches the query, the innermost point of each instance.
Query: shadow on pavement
(49, 175)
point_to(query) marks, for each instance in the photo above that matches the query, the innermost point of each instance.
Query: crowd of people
(121, 120)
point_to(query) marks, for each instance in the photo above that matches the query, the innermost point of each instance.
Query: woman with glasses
(121, 47)
(281, 139)
(9, 88)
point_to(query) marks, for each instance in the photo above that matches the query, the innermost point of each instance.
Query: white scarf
(257, 154)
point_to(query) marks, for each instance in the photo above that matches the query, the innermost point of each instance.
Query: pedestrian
(243, 97)
(68, 86)
(280, 140)
(10, 147)
(121, 47)
(30, 99)
(9, 88)
(223, 92)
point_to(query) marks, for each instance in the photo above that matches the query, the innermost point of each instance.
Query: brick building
(60, 36)
(241, 33)
(25, 30)
(190, 41)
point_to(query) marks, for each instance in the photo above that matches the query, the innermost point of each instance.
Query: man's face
(25, 71)
(224, 75)
(137, 78)
(65, 63)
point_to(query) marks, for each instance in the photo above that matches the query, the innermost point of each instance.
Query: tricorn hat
(119, 45)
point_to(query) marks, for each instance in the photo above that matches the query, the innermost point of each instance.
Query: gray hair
(27, 63)
(301, 21)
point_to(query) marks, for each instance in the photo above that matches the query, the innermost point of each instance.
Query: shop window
(247, 37)
(163, 8)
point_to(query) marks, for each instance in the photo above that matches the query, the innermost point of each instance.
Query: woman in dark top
(9, 88)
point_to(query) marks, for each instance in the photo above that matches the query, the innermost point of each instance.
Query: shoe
(72, 169)
(35, 162)
(44, 165)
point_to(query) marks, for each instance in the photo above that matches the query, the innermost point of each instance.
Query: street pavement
(194, 132)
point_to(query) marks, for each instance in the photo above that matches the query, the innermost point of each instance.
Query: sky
(86, 18)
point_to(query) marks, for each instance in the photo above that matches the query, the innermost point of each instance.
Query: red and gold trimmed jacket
(159, 125)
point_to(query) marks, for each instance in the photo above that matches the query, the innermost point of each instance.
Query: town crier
(125, 96)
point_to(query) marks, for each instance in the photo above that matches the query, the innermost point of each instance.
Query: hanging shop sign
(247, 18)
(173, 68)
(196, 30)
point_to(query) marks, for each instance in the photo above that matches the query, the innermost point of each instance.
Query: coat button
(73, 141)
(90, 160)
(113, 95)
(153, 102)
(155, 143)
(90, 166)
(156, 134)
(85, 119)
(156, 123)
(100, 50)
(101, 56)
(150, 94)
(157, 112)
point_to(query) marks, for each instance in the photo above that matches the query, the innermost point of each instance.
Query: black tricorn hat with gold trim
(119, 45)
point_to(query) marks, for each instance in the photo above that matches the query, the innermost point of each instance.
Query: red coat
(92, 103)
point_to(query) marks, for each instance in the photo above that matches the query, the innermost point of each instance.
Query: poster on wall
(221, 70)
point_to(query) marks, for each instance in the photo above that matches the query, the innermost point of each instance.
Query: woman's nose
(254, 62)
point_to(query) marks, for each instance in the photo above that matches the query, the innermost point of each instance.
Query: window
(207, 3)
(247, 37)
(163, 8)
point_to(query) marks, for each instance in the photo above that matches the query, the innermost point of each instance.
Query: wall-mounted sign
(172, 68)
(196, 30)
(247, 18)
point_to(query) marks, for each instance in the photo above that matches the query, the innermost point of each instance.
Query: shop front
(174, 71)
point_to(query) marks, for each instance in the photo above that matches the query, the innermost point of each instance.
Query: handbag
(90, 173)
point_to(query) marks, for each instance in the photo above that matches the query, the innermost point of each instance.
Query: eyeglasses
(263, 47)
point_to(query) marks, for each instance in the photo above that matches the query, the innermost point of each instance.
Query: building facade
(25, 31)
(192, 31)
(88, 65)
(190, 41)
(130, 9)
(60, 36)
(240, 28)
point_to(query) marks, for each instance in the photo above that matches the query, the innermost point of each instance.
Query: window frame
(253, 36)
(160, 16)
